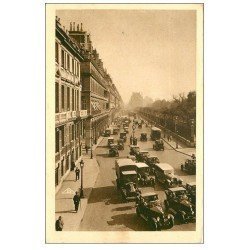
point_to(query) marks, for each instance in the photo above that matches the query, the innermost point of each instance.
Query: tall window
(57, 52)
(77, 100)
(73, 99)
(73, 132)
(57, 97)
(62, 96)
(62, 134)
(72, 66)
(68, 63)
(62, 59)
(68, 98)
(57, 140)
(84, 103)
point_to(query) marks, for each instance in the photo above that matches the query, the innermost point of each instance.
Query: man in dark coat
(59, 224)
(77, 173)
(76, 200)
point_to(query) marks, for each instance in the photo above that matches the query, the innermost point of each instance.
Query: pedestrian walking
(76, 200)
(87, 149)
(131, 140)
(59, 224)
(77, 171)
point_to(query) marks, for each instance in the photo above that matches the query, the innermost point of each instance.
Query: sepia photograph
(124, 123)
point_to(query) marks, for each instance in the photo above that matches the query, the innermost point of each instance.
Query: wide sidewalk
(64, 205)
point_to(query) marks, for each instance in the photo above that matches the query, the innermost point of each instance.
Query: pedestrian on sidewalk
(76, 200)
(59, 224)
(86, 148)
(77, 173)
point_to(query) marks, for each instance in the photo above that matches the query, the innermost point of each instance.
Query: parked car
(189, 166)
(113, 151)
(191, 192)
(158, 145)
(123, 135)
(142, 155)
(145, 178)
(120, 144)
(148, 207)
(127, 181)
(143, 137)
(134, 150)
(178, 204)
(107, 132)
(164, 174)
(115, 130)
(110, 141)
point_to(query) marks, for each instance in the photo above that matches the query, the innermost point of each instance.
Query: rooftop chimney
(77, 27)
(73, 26)
(81, 26)
(70, 26)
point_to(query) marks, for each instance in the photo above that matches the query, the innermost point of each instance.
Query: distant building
(69, 116)
(136, 100)
(98, 96)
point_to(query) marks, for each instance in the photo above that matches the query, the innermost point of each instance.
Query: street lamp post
(192, 130)
(81, 191)
(175, 129)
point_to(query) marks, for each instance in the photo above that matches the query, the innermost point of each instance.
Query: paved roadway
(105, 210)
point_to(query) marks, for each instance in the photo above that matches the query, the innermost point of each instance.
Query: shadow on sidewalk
(63, 212)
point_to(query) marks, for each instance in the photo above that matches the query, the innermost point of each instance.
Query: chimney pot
(81, 26)
(70, 26)
(77, 27)
(73, 26)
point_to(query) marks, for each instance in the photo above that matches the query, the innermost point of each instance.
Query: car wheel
(170, 222)
(153, 225)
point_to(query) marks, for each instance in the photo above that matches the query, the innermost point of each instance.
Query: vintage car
(143, 137)
(178, 204)
(107, 132)
(134, 150)
(158, 145)
(132, 157)
(120, 144)
(145, 178)
(126, 179)
(142, 155)
(191, 191)
(190, 165)
(113, 151)
(164, 174)
(151, 160)
(155, 133)
(115, 130)
(149, 208)
(110, 141)
(123, 135)
(126, 129)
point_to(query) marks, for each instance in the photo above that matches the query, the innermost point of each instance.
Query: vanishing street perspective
(125, 120)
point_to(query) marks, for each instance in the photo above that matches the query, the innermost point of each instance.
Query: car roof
(152, 156)
(141, 165)
(164, 166)
(110, 138)
(148, 194)
(129, 172)
(177, 189)
(134, 146)
(143, 151)
(156, 129)
(192, 183)
(124, 162)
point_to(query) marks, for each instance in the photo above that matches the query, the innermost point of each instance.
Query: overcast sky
(147, 51)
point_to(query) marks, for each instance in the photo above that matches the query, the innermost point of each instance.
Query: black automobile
(113, 151)
(143, 137)
(179, 204)
(120, 144)
(123, 136)
(145, 178)
(191, 191)
(142, 155)
(149, 208)
(134, 150)
(158, 145)
(189, 166)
